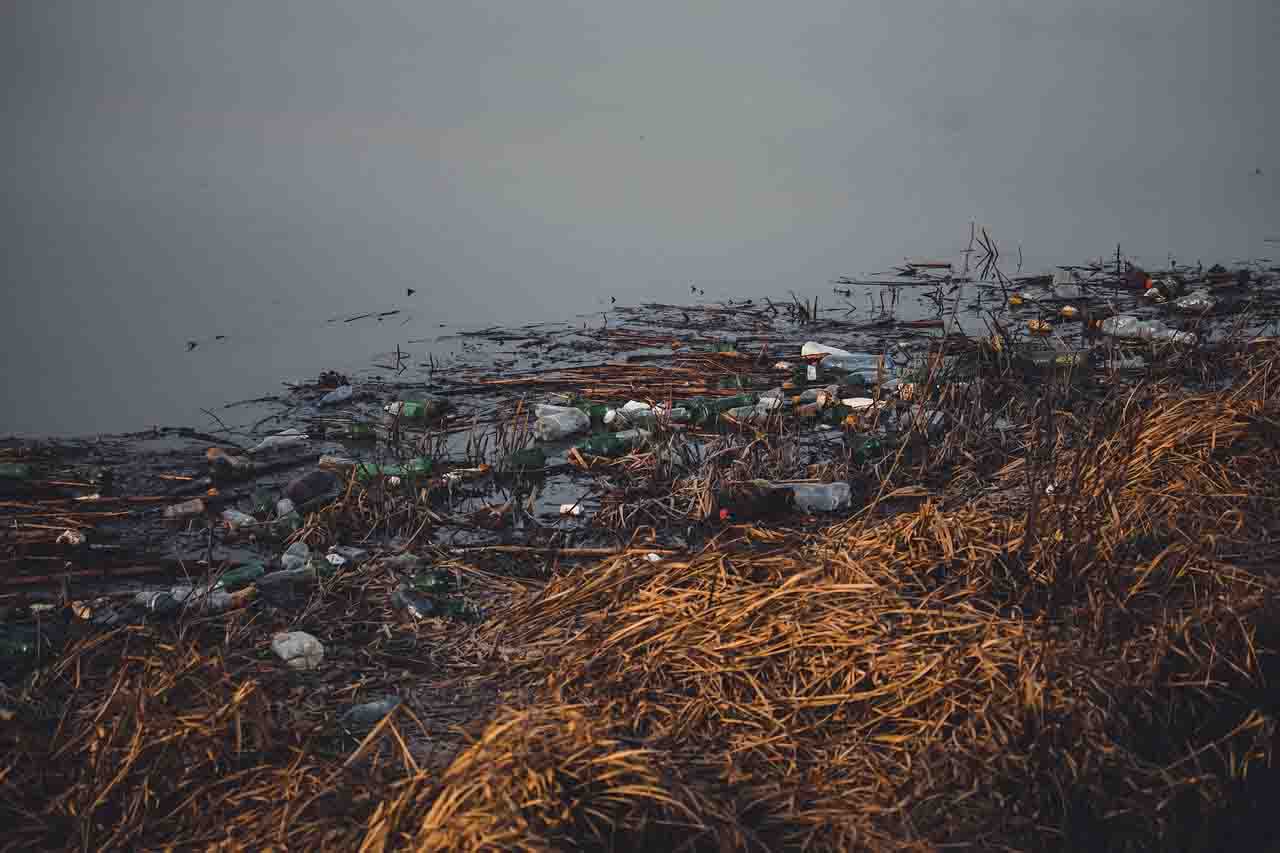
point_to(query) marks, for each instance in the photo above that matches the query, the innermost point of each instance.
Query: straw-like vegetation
(1065, 641)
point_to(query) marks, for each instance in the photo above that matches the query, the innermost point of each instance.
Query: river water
(184, 171)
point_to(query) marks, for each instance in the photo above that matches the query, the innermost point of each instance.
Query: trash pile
(753, 575)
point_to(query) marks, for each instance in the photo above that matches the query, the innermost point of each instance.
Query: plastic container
(298, 649)
(561, 424)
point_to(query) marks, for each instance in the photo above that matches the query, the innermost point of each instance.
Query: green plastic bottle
(242, 576)
(15, 471)
(418, 467)
(613, 444)
(359, 431)
(417, 410)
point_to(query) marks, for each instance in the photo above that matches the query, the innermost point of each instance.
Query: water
(258, 171)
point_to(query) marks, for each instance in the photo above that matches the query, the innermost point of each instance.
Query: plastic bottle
(236, 519)
(241, 576)
(186, 509)
(298, 649)
(295, 556)
(418, 467)
(631, 414)
(614, 444)
(359, 431)
(821, 497)
(287, 438)
(840, 360)
(543, 410)
(417, 410)
(15, 471)
(369, 714)
(561, 424)
(338, 395)
(1129, 327)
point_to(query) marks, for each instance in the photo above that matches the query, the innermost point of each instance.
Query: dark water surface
(184, 170)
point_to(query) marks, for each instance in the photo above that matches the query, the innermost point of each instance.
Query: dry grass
(1008, 666)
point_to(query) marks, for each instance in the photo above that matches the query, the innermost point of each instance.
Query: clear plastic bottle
(287, 438)
(1127, 326)
(338, 395)
(821, 497)
(561, 424)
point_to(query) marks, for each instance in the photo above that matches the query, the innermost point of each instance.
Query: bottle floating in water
(359, 431)
(235, 519)
(417, 410)
(338, 395)
(614, 444)
(279, 441)
(15, 471)
(1127, 326)
(418, 467)
(561, 424)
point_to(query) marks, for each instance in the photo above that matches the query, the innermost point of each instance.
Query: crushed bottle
(1126, 326)
(300, 650)
(561, 424)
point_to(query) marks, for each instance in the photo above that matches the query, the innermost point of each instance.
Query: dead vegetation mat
(1080, 656)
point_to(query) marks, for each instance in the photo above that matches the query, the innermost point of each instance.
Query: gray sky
(180, 168)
